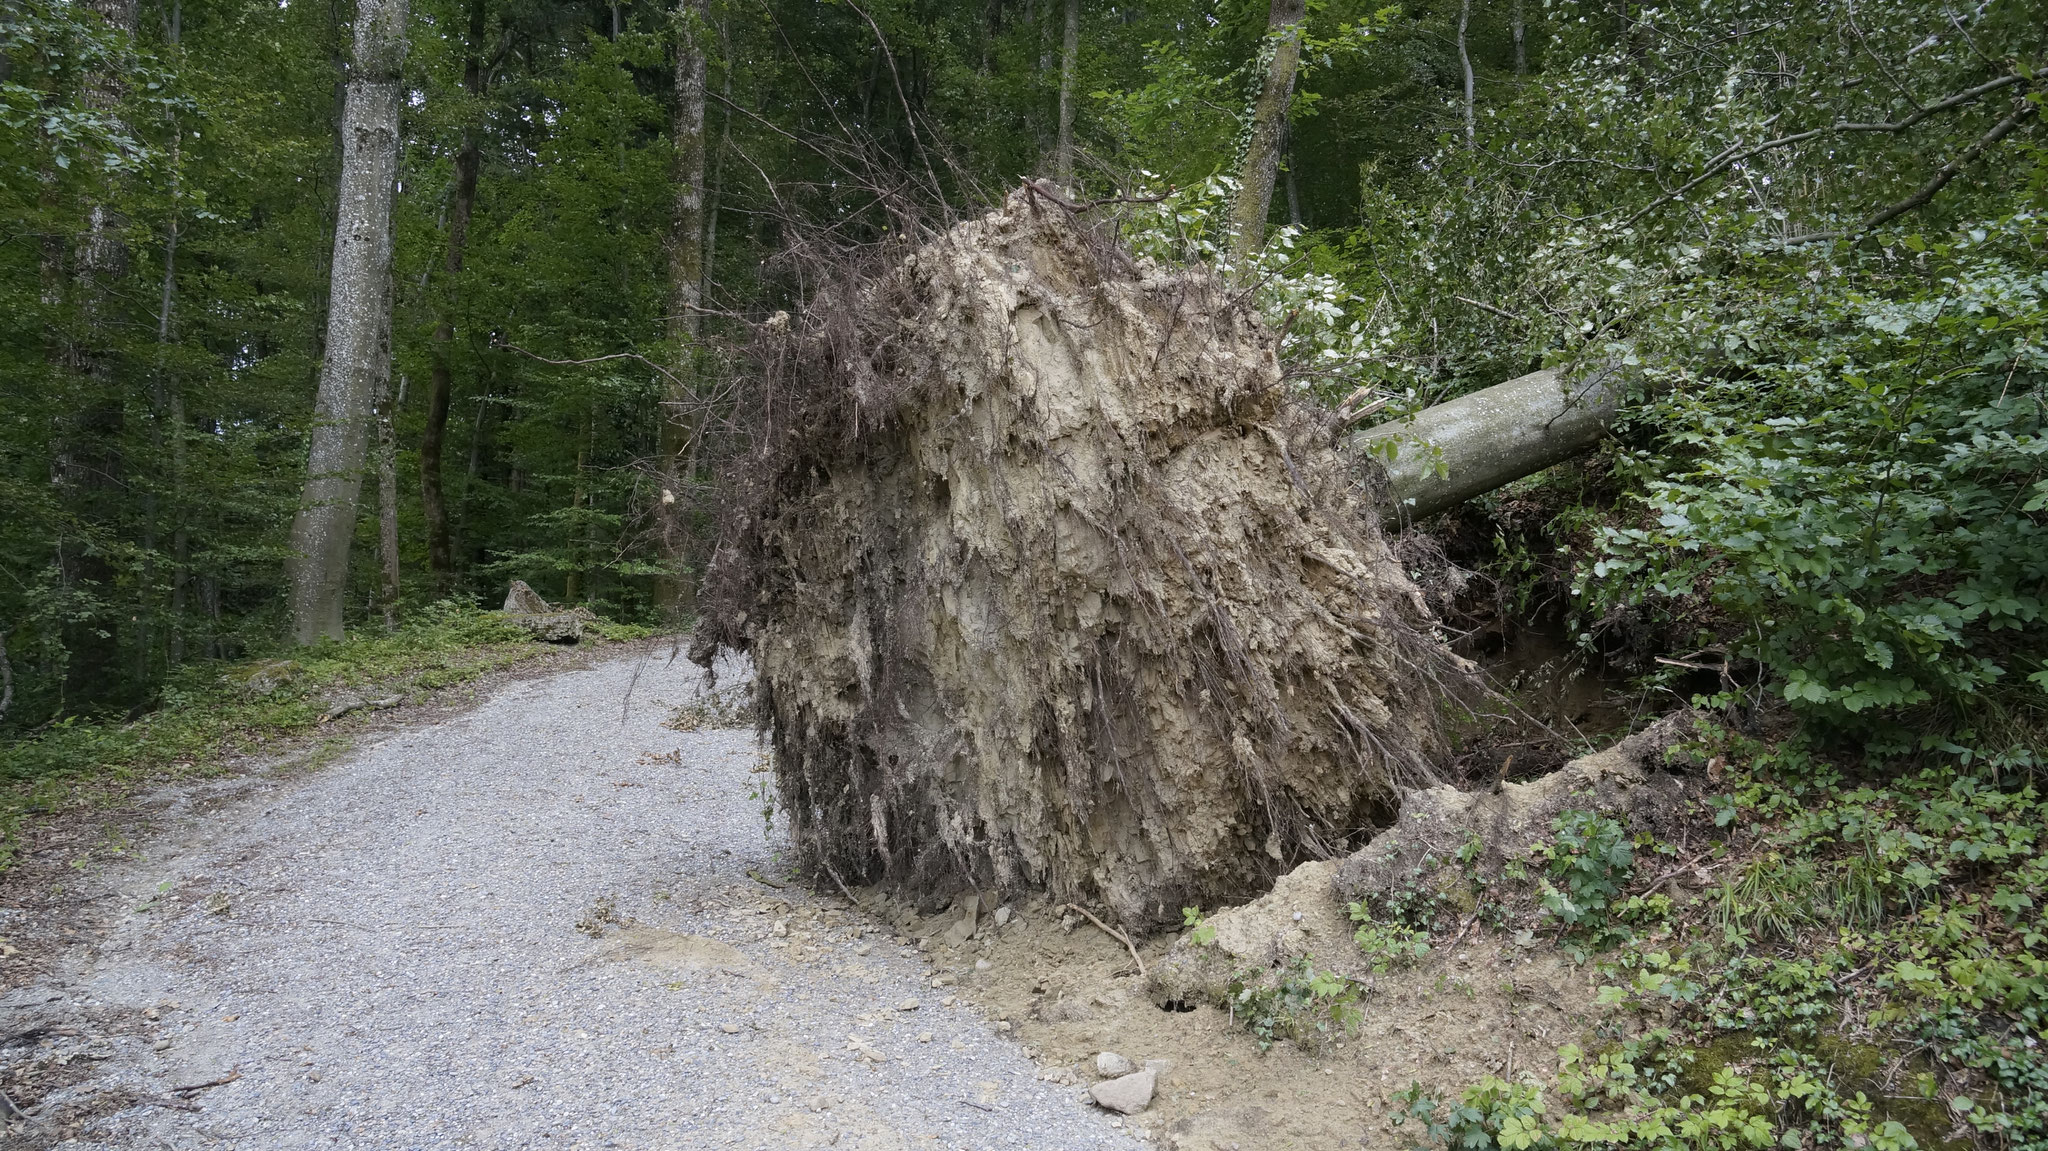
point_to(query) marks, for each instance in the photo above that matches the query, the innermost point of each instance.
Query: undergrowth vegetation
(210, 712)
(1858, 964)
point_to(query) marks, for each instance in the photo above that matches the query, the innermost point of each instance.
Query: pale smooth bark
(1445, 455)
(358, 352)
(686, 287)
(1465, 59)
(1521, 42)
(1268, 132)
(1070, 59)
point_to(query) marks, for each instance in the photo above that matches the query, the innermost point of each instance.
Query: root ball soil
(1048, 585)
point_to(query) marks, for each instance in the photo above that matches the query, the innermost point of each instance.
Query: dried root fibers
(1047, 585)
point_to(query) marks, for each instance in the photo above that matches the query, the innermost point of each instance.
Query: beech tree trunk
(358, 350)
(1465, 61)
(1269, 131)
(685, 283)
(440, 381)
(1063, 153)
(1521, 45)
(1445, 455)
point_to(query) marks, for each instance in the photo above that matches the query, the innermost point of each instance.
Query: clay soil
(1481, 1006)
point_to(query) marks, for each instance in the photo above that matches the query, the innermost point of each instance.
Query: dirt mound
(1049, 586)
(1420, 854)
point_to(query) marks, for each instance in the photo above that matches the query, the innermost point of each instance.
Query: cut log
(1048, 586)
(1445, 455)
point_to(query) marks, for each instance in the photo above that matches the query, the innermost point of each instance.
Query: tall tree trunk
(1269, 129)
(1465, 60)
(1521, 43)
(1070, 59)
(387, 499)
(714, 190)
(440, 379)
(358, 350)
(89, 465)
(685, 284)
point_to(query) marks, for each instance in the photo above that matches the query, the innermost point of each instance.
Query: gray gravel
(385, 953)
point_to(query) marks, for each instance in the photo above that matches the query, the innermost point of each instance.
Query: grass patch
(211, 712)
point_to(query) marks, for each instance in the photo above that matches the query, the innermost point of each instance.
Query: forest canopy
(1807, 236)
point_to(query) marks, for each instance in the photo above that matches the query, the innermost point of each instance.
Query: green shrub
(1295, 1002)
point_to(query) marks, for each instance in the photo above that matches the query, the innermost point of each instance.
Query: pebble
(1110, 1065)
(729, 1028)
(1003, 916)
(909, 1005)
(983, 965)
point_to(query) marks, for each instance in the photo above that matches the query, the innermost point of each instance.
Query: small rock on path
(529, 926)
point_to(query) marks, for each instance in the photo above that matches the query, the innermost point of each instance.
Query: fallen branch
(223, 1081)
(1112, 932)
(1503, 313)
(759, 878)
(352, 704)
(635, 356)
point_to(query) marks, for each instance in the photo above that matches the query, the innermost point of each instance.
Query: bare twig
(1736, 154)
(1112, 932)
(1503, 313)
(223, 1081)
(1935, 184)
(909, 117)
(511, 347)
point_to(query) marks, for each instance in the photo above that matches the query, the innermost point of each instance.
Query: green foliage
(1295, 1002)
(1587, 865)
(1387, 945)
(1861, 935)
(1854, 492)
(1199, 928)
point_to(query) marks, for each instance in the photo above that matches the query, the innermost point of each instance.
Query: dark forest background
(1810, 231)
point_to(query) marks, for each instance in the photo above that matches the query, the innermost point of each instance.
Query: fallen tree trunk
(1445, 455)
(1048, 586)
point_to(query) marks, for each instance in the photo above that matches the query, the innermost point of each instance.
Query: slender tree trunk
(1293, 192)
(440, 379)
(686, 284)
(6, 676)
(991, 27)
(159, 389)
(1269, 129)
(181, 536)
(1521, 44)
(357, 355)
(1465, 60)
(89, 464)
(387, 499)
(715, 189)
(1070, 59)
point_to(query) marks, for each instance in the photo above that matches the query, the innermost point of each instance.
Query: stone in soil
(1127, 1094)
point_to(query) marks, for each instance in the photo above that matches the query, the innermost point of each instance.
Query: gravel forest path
(531, 925)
